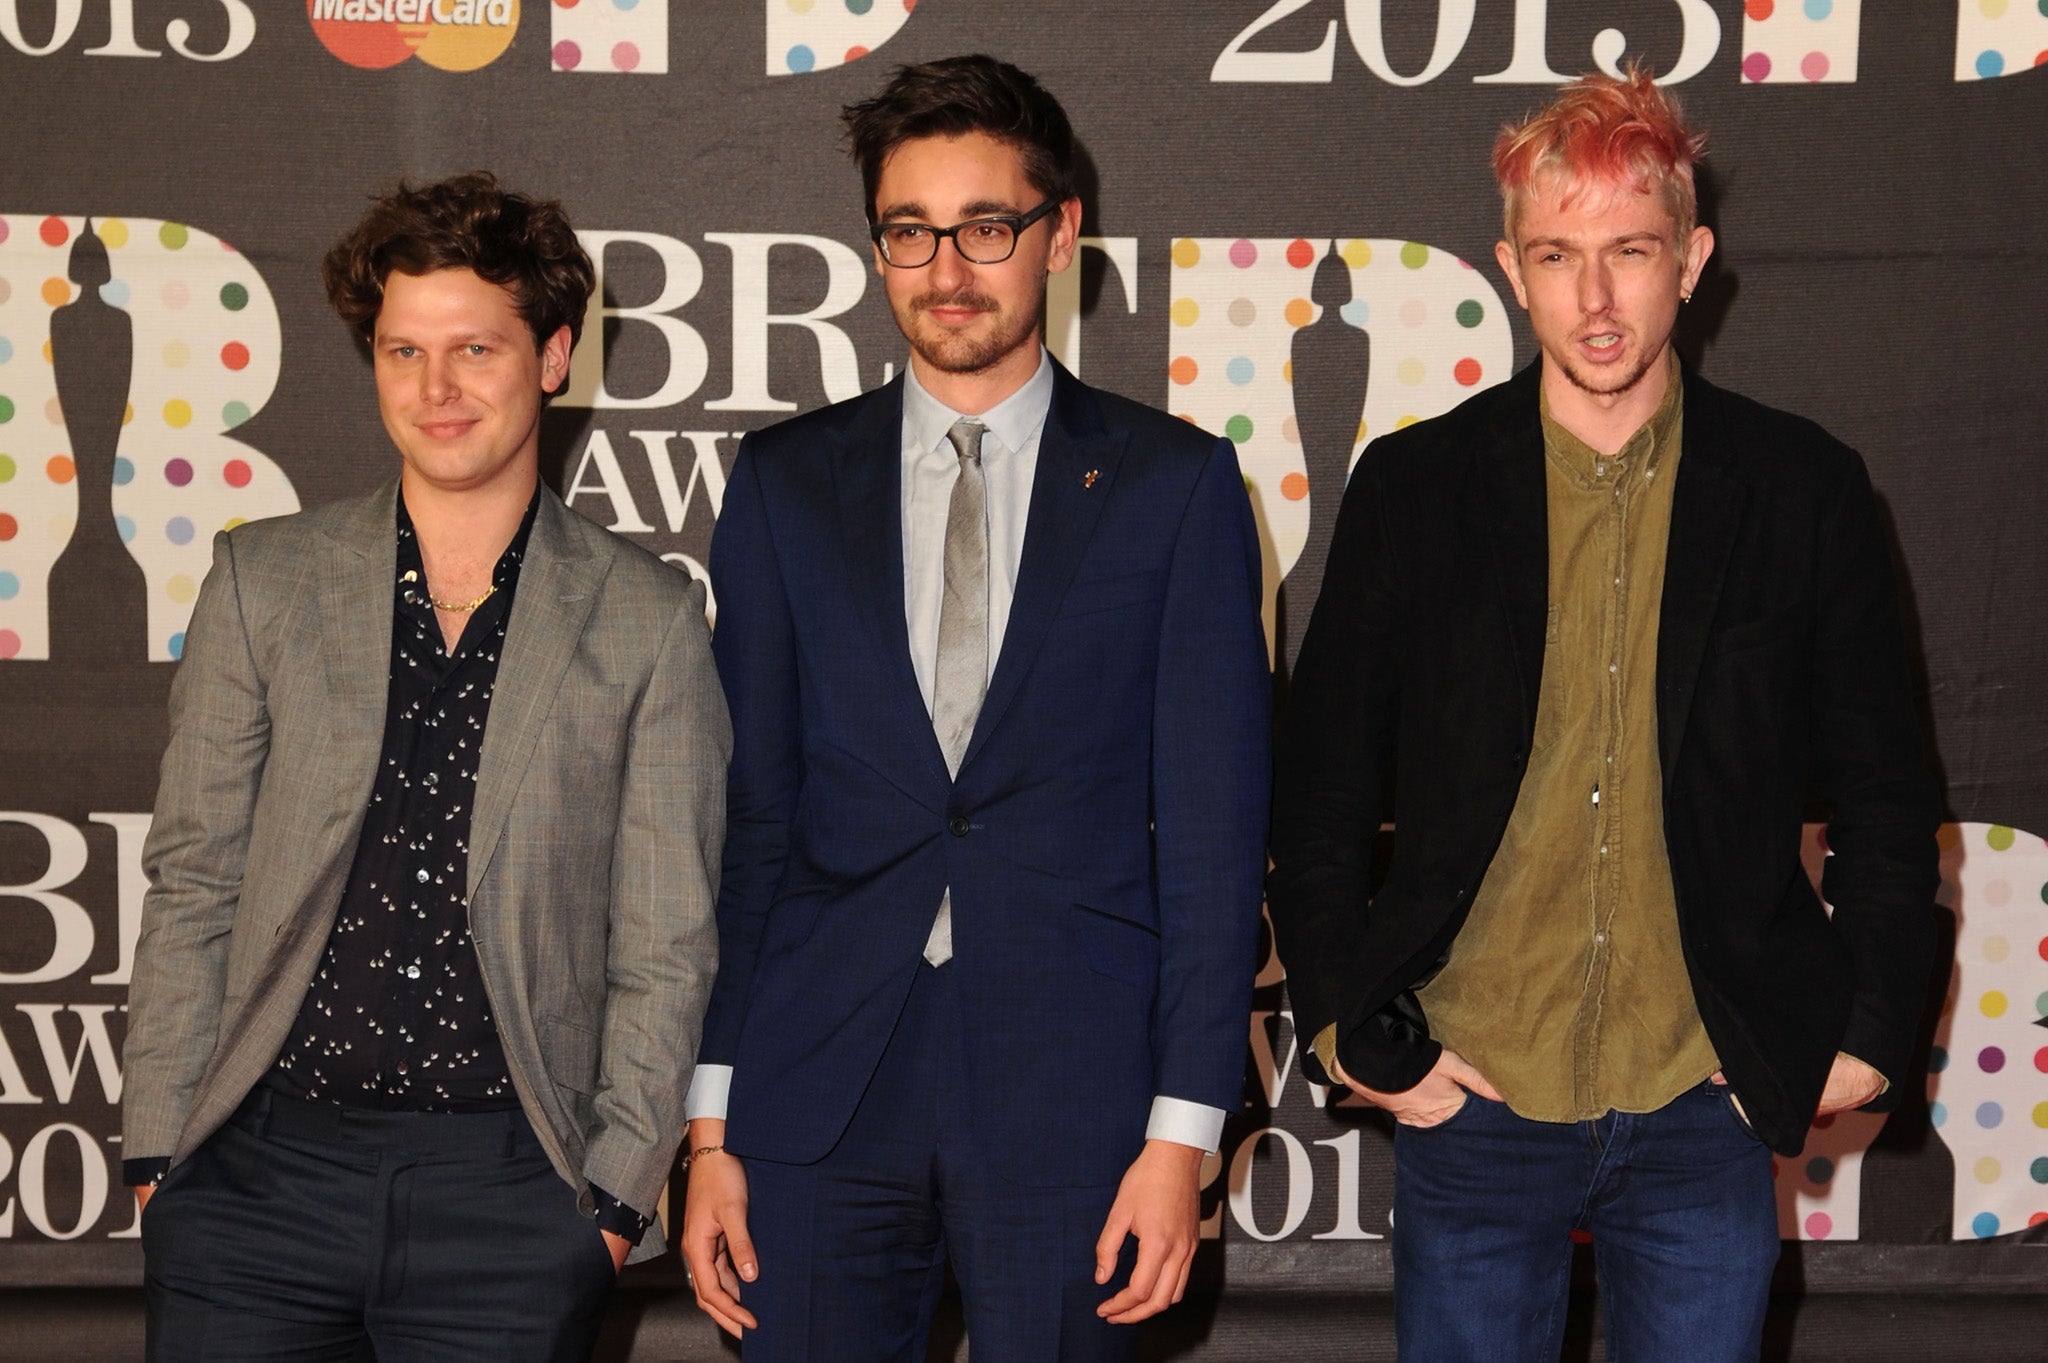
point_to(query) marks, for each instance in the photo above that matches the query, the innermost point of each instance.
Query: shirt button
(1611, 667)
(959, 827)
(1600, 937)
(1603, 849)
(420, 876)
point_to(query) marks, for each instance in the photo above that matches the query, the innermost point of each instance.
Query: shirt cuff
(1185, 1123)
(1325, 1048)
(145, 1173)
(707, 1096)
(616, 1217)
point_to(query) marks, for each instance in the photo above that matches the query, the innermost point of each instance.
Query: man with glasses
(998, 796)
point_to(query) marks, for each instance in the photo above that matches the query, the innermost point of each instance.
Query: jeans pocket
(1726, 1096)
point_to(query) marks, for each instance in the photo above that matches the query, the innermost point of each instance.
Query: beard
(1602, 384)
(956, 353)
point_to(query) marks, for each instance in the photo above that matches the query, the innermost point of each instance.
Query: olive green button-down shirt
(1567, 986)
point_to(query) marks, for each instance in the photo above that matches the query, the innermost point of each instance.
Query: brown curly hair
(469, 222)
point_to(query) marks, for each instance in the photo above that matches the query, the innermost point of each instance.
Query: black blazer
(1780, 670)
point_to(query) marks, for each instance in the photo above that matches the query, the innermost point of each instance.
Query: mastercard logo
(451, 35)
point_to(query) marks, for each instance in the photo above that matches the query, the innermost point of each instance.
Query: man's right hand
(716, 1246)
(1447, 1087)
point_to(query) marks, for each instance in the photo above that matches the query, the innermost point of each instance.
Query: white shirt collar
(1015, 421)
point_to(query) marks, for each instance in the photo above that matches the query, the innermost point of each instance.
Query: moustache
(966, 298)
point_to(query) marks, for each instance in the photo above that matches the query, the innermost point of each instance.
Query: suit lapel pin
(1088, 478)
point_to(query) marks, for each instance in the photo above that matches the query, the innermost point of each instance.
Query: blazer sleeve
(194, 858)
(1883, 805)
(663, 948)
(1335, 751)
(755, 645)
(1211, 769)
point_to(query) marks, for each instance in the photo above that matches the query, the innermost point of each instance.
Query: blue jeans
(1678, 1202)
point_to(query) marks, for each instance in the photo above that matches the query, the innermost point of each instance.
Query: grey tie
(960, 679)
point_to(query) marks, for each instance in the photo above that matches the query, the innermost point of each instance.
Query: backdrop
(1290, 225)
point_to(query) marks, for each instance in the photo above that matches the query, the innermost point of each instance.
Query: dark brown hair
(524, 246)
(957, 96)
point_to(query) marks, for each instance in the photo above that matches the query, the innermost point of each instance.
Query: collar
(1645, 448)
(1015, 422)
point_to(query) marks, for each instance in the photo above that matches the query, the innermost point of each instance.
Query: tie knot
(966, 437)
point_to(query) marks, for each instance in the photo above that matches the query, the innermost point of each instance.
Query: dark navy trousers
(298, 1231)
(853, 1249)
(1678, 1202)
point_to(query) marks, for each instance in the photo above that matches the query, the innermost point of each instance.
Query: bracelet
(699, 1153)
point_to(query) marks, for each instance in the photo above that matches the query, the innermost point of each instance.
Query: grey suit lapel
(558, 586)
(355, 643)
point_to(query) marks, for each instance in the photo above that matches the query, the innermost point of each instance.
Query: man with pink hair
(1613, 627)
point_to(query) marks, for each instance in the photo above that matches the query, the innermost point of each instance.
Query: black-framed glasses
(980, 241)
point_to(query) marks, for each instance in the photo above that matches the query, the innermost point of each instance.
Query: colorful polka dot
(2040, 1115)
(124, 526)
(7, 415)
(1294, 486)
(1990, 64)
(54, 232)
(1411, 371)
(56, 292)
(173, 236)
(1355, 312)
(1819, 1169)
(233, 413)
(10, 643)
(1998, 837)
(1984, 1225)
(1300, 254)
(176, 354)
(1357, 254)
(1238, 428)
(180, 588)
(176, 294)
(2038, 1170)
(9, 527)
(1814, 66)
(1182, 370)
(10, 586)
(1991, 1060)
(1470, 313)
(1290, 430)
(1240, 370)
(1819, 1225)
(1990, 1115)
(800, 59)
(124, 471)
(114, 293)
(1185, 312)
(53, 412)
(177, 413)
(1998, 893)
(175, 645)
(1299, 312)
(60, 469)
(1818, 10)
(177, 472)
(1993, 1004)
(178, 530)
(6, 350)
(1414, 312)
(234, 297)
(1987, 1169)
(1466, 371)
(113, 232)
(625, 56)
(7, 468)
(236, 473)
(235, 355)
(1414, 255)
(1756, 67)
(1186, 253)
(1243, 312)
(1244, 254)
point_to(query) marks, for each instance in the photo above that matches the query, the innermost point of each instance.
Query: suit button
(959, 827)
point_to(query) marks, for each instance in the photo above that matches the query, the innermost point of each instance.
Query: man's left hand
(1160, 1202)
(1851, 1084)
(620, 1247)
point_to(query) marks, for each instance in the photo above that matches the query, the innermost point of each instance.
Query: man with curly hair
(429, 936)
(1612, 625)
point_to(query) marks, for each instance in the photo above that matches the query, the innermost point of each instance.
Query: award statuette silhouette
(1332, 359)
(99, 608)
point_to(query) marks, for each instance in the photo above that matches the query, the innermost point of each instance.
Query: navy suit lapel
(1518, 509)
(867, 475)
(1065, 506)
(1706, 509)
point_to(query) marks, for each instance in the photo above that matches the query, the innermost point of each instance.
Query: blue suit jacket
(1103, 840)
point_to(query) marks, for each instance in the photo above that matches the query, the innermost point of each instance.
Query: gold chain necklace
(465, 607)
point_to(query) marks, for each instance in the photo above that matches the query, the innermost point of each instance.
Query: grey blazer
(594, 850)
